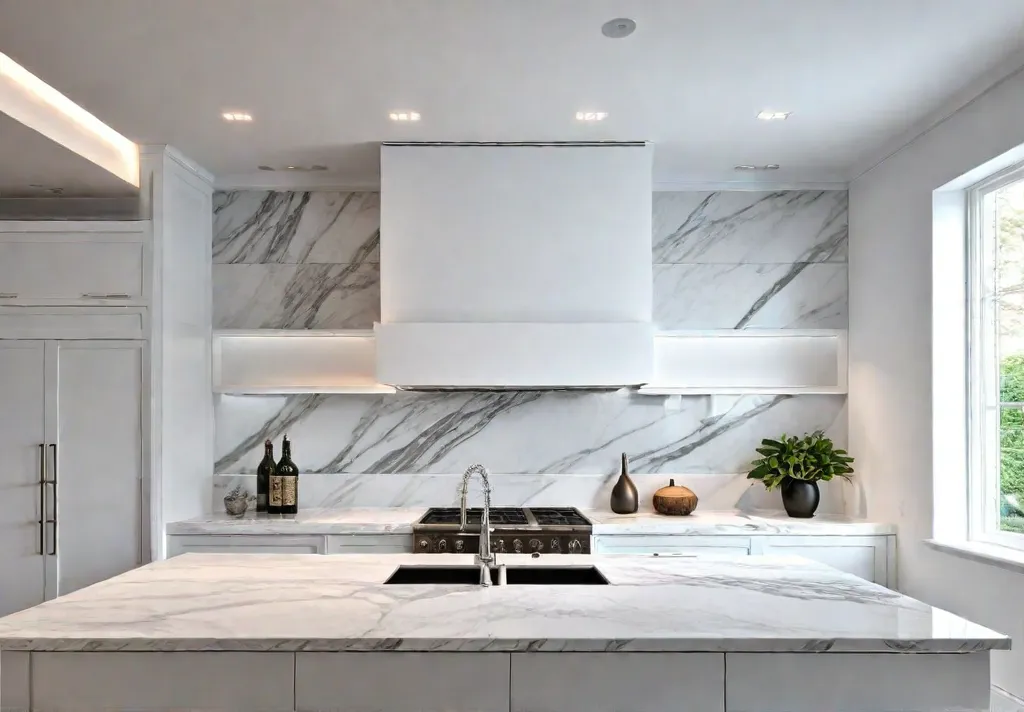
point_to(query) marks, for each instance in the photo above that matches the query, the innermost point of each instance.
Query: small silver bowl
(236, 506)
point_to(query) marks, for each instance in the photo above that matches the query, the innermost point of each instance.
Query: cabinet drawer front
(402, 682)
(669, 544)
(245, 544)
(37, 269)
(369, 544)
(639, 682)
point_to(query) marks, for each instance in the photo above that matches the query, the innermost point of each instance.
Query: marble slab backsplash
(714, 492)
(722, 260)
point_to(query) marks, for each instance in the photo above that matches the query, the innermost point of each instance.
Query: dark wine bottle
(288, 474)
(263, 475)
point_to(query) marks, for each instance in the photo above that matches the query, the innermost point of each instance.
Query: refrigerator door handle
(42, 499)
(53, 519)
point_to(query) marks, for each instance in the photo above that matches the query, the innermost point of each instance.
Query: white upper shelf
(716, 362)
(277, 361)
(752, 361)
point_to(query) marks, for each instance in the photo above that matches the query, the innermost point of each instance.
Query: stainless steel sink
(514, 575)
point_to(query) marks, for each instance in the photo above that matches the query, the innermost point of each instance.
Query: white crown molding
(178, 157)
(976, 89)
(313, 182)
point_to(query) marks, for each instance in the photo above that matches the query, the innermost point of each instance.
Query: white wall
(891, 330)
(178, 197)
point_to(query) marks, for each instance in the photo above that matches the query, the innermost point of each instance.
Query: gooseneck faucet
(484, 557)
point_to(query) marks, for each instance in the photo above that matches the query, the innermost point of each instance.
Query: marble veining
(513, 432)
(267, 227)
(399, 520)
(732, 227)
(263, 602)
(741, 296)
(286, 296)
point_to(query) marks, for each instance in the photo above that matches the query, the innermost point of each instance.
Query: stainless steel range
(514, 530)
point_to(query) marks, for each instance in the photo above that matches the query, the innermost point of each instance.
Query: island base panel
(15, 681)
(222, 681)
(638, 682)
(857, 682)
(401, 682)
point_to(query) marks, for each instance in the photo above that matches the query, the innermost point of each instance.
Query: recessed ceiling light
(404, 116)
(236, 116)
(591, 115)
(298, 169)
(774, 115)
(749, 167)
(618, 28)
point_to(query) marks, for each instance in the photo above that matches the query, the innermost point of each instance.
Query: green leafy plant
(811, 458)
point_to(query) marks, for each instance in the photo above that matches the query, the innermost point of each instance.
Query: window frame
(983, 385)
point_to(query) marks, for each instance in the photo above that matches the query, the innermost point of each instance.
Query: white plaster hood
(515, 265)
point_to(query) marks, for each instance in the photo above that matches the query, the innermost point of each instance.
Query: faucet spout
(484, 556)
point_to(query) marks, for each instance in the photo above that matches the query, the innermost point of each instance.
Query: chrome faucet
(484, 558)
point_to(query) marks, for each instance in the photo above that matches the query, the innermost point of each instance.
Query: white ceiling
(320, 76)
(31, 164)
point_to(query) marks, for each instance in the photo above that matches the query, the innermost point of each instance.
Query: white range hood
(515, 265)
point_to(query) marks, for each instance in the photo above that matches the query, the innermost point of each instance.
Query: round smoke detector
(618, 28)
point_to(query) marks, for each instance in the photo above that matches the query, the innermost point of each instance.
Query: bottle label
(276, 491)
(289, 491)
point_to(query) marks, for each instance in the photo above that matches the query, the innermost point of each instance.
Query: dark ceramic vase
(800, 498)
(625, 499)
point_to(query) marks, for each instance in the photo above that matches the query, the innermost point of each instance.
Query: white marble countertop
(705, 523)
(384, 520)
(268, 602)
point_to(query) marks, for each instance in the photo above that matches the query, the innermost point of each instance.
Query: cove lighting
(31, 101)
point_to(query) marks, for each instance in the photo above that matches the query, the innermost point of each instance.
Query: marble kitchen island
(315, 632)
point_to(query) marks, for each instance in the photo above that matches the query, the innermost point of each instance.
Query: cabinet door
(52, 268)
(96, 453)
(369, 544)
(864, 556)
(22, 562)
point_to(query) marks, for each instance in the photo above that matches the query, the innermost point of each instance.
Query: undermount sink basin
(514, 575)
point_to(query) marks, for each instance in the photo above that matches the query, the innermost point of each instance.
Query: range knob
(575, 547)
(423, 545)
(517, 546)
(536, 545)
(555, 546)
(499, 546)
(460, 546)
(442, 545)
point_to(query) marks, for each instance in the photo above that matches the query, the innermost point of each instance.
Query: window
(996, 359)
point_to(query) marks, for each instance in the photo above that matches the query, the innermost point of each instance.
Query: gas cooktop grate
(559, 516)
(505, 516)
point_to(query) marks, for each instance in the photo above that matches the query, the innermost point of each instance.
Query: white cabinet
(864, 556)
(289, 543)
(246, 544)
(369, 544)
(671, 544)
(70, 488)
(870, 557)
(75, 263)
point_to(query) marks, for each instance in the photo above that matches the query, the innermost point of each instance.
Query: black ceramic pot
(800, 498)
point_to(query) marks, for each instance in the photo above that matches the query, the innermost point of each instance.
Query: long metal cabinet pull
(42, 499)
(53, 542)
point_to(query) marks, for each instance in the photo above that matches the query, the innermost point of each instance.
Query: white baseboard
(1003, 701)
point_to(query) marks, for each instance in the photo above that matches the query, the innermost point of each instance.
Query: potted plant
(797, 465)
